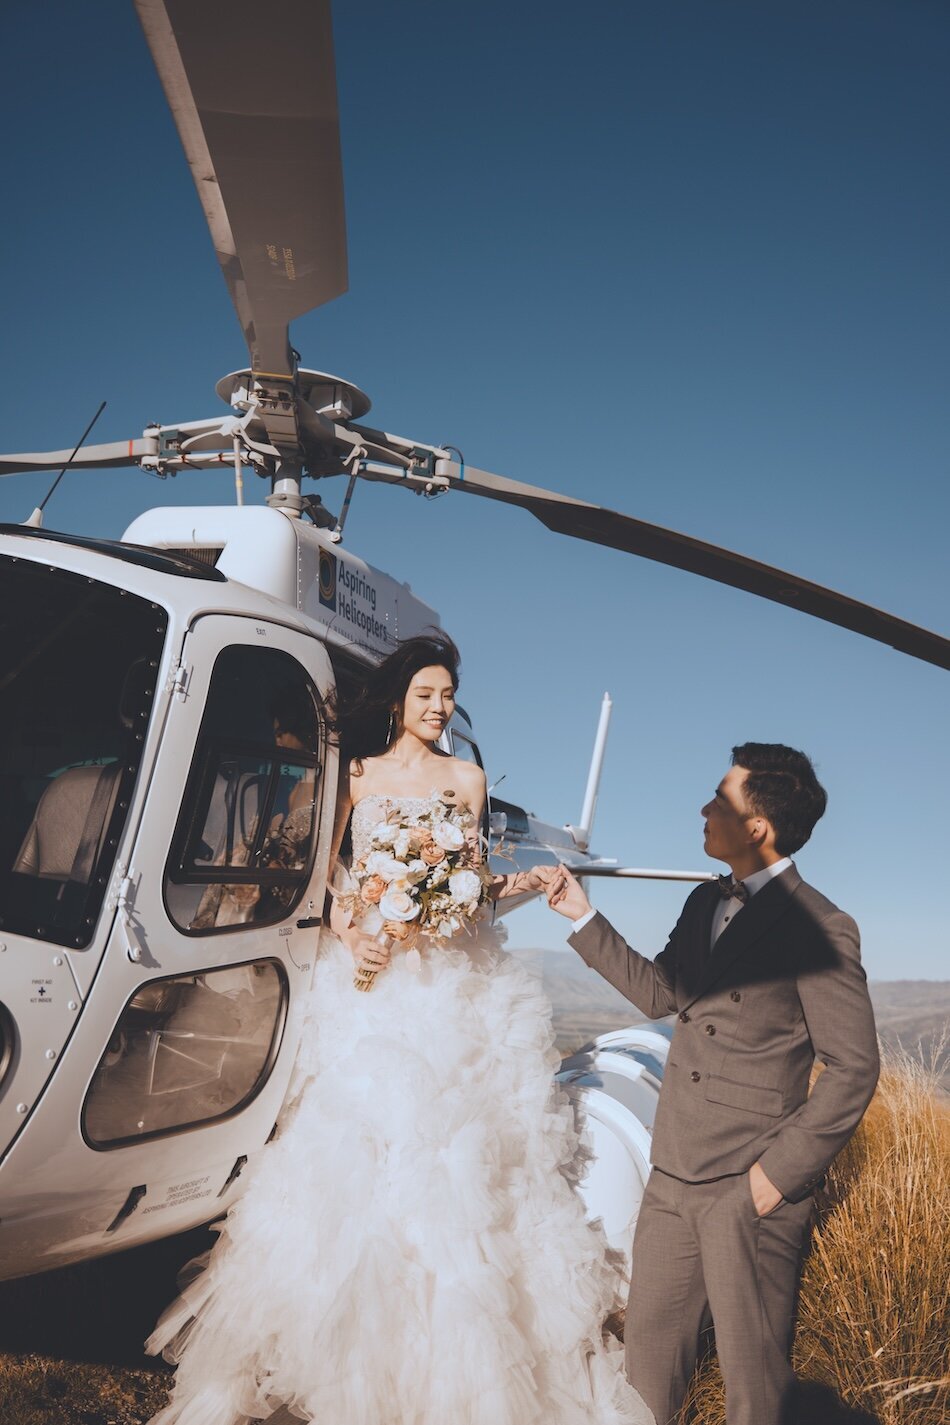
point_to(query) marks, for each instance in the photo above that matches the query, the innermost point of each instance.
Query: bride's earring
(392, 728)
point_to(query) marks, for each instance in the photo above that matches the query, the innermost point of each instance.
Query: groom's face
(728, 818)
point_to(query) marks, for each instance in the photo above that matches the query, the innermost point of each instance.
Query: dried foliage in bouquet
(423, 879)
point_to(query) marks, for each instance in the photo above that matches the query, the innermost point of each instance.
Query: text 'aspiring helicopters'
(153, 949)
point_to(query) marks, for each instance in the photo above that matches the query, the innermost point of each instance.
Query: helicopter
(147, 945)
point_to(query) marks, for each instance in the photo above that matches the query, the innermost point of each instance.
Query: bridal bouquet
(420, 879)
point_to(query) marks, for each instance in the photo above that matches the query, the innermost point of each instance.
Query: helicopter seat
(63, 840)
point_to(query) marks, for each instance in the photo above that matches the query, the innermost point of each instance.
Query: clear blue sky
(688, 260)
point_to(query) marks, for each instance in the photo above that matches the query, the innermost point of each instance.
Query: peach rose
(431, 853)
(396, 929)
(373, 889)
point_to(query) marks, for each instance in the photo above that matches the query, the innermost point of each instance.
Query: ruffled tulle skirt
(409, 1250)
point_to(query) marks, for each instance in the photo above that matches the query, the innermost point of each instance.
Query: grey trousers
(700, 1248)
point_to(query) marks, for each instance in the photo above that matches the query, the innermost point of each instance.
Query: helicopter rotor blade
(253, 94)
(112, 455)
(581, 520)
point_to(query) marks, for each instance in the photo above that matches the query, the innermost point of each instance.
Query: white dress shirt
(726, 910)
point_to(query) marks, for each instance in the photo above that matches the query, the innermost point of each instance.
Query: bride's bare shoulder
(467, 776)
(362, 775)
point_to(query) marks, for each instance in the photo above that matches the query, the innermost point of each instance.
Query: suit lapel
(753, 921)
(695, 956)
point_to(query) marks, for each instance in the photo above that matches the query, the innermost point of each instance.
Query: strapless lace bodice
(370, 811)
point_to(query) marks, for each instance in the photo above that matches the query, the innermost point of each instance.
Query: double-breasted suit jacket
(782, 986)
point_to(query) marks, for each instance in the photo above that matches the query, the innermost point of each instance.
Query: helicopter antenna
(36, 518)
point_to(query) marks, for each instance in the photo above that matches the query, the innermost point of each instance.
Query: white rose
(380, 863)
(370, 921)
(401, 845)
(449, 837)
(398, 905)
(416, 871)
(464, 886)
(385, 834)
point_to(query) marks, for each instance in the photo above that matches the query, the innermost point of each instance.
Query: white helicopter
(162, 695)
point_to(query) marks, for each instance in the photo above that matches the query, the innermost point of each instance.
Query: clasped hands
(563, 891)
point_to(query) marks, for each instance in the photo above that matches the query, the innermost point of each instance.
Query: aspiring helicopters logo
(327, 579)
(350, 592)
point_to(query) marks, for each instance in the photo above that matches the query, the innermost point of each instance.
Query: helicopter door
(178, 1067)
(227, 885)
(229, 875)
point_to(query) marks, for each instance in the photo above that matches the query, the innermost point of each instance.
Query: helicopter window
(465, 748)
(186, 1051)
(244, 845)
(80, 659)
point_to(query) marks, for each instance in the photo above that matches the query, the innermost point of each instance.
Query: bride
(410, 1249)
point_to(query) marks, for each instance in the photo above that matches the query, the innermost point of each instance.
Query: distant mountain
(584, 1004)
(912, 1014)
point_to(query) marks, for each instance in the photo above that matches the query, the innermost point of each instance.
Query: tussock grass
(874, 1310)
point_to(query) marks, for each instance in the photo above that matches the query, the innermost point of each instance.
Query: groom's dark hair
(782, 787)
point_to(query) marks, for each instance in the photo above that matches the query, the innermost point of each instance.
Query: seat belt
(95, 820)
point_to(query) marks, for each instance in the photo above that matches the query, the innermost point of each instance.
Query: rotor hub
(328, 395)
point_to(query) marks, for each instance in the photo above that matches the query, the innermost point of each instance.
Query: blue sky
(687, 260)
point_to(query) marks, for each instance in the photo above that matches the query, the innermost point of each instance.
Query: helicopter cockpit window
(244, 845)
(77, 684)
(465, 748)
(187, 1050)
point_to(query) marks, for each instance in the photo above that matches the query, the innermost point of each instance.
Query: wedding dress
(409, 1250)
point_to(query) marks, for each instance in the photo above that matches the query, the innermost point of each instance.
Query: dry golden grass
(35, 1390)
(71, 1340)
(874, 1312)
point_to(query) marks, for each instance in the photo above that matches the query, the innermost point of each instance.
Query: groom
(764, 976)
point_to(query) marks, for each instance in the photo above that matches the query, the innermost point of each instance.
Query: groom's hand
(538, 877)
(765, 1194)
(566, 895)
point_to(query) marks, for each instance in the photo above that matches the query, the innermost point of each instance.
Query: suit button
(710, 1029)
(735, 996)
(695, 1077)
(684, 1017)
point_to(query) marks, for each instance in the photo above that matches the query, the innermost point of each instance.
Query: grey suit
(782, 985)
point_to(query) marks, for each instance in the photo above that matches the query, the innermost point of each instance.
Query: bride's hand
(367, 952)
(566, 895)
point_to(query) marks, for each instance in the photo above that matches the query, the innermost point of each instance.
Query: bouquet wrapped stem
(365, 977)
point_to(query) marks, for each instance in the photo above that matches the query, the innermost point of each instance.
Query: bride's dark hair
(363, 720)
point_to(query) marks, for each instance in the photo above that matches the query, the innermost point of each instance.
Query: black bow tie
(731, 889)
